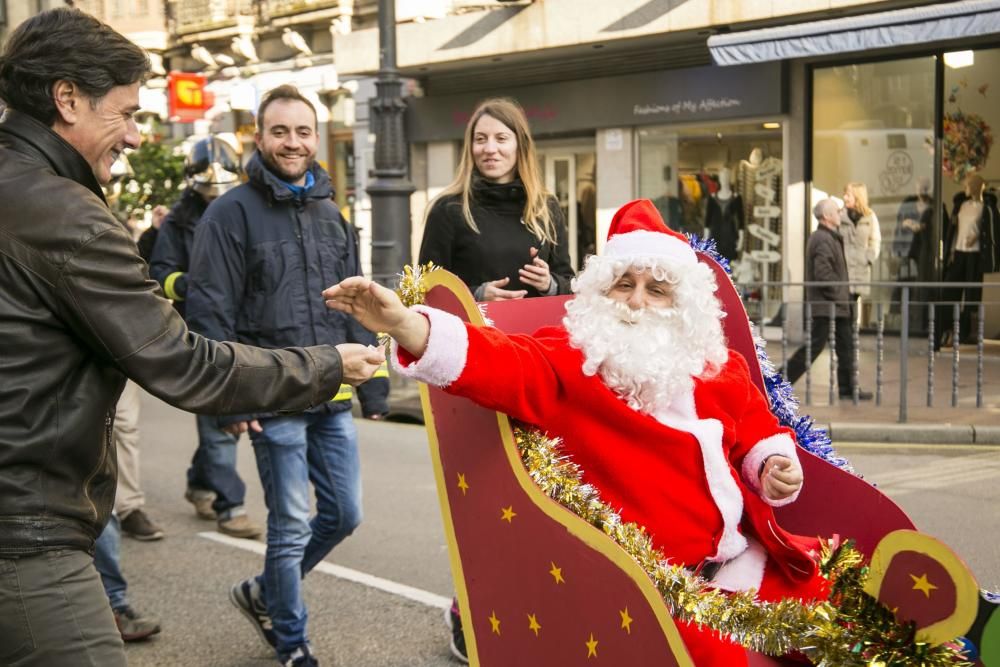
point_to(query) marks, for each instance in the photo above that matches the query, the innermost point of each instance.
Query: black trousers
(965, 268)
(820, 335)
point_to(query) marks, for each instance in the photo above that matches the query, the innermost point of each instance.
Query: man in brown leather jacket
(79, 314)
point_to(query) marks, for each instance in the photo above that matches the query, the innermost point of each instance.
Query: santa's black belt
(707, 569)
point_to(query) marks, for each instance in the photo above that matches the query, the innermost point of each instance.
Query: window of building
(970, 127)
(873, 124)
(723, 182)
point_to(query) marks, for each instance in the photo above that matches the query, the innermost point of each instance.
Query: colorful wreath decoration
(966, 146)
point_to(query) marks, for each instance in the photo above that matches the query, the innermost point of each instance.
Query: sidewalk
(938, 424)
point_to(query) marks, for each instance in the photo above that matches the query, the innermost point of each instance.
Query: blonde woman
(495, 226)
(862, 237)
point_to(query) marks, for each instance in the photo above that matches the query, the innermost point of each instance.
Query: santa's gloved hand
(780, 478)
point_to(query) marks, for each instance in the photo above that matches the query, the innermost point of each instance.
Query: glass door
(570, 175)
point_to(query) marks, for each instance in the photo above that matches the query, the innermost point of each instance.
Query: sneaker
(454, 621)
(133, 626)
(300, 657)
(245, 596)
(202, 501)
(240, 526)
(140, 527)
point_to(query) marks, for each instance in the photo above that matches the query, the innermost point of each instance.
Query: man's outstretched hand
(781, 477)
(360, 361)
(379, 309)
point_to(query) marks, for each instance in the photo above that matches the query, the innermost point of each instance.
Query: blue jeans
(107, 560)
(291, 452)
(213, 466)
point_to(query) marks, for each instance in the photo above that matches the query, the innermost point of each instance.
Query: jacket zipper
(108, 437)
(305, 272)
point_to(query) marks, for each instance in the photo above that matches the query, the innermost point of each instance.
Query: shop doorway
(570, 174)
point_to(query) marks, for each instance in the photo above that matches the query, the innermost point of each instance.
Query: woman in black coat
(495, 226)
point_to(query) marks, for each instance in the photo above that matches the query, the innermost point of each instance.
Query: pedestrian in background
(78, 315)
(862, 241)
(826, 262)
(132, 624)
(495, 226)
(130, 501)
(262, 255)
(214, 486)
(497, 229)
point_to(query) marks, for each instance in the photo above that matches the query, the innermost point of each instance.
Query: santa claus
(638, 383)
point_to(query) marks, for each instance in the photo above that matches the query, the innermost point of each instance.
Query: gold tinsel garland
(851, 629)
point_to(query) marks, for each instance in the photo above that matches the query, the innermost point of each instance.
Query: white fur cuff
(780, 444)
(447, 350)
(744, 572)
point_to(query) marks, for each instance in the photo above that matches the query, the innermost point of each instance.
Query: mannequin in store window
(671, 208)
(724, 218)
(971, 243)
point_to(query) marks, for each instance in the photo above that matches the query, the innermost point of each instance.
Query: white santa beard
(650, 362)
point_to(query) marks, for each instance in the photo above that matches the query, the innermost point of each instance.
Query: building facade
(644, 99)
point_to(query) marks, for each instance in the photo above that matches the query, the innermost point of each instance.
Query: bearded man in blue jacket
(263, 253)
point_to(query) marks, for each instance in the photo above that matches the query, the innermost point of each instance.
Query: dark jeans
(963, 269)
(53, 612)
(107, 560)
(213, 467)
(820, 335)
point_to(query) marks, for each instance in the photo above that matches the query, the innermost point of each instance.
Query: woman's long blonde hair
(536, 216)
(860, 192)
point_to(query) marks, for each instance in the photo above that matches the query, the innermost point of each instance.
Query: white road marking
(402, 590)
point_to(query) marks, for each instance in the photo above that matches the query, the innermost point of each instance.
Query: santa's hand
(781, 477)
(536, 273)
(492, 291)
(377, 308)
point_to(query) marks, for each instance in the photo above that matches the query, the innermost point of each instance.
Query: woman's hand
(536, 273)
(493, 291)
(781, 477)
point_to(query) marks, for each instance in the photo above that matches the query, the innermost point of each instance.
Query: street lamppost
(389, 189)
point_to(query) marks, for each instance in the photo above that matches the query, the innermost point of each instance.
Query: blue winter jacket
(261, 258)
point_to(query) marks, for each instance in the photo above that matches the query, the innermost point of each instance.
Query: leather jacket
(78, 313)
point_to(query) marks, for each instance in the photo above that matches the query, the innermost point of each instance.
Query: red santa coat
(689, 474)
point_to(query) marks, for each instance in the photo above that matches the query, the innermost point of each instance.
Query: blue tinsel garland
(783, 402)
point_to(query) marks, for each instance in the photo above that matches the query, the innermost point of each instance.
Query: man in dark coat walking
(826, 262)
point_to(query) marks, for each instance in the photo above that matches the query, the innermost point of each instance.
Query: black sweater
(502, 245)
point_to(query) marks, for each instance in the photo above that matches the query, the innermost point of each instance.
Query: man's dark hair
(65, 44)
(284, 92)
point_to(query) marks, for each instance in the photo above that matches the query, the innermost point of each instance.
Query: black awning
(881, 30)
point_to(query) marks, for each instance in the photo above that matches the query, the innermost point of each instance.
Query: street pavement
(378, 600)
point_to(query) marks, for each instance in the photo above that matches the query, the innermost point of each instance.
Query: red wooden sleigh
(537, 585)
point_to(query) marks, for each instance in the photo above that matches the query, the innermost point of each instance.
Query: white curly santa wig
(655, 356)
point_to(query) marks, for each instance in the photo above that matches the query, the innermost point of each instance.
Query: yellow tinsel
(850, 630)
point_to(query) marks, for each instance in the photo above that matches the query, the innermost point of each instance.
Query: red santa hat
(638, 232)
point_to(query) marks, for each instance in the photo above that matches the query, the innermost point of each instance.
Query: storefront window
(969, 166)
(873, 124)
(723, 182)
